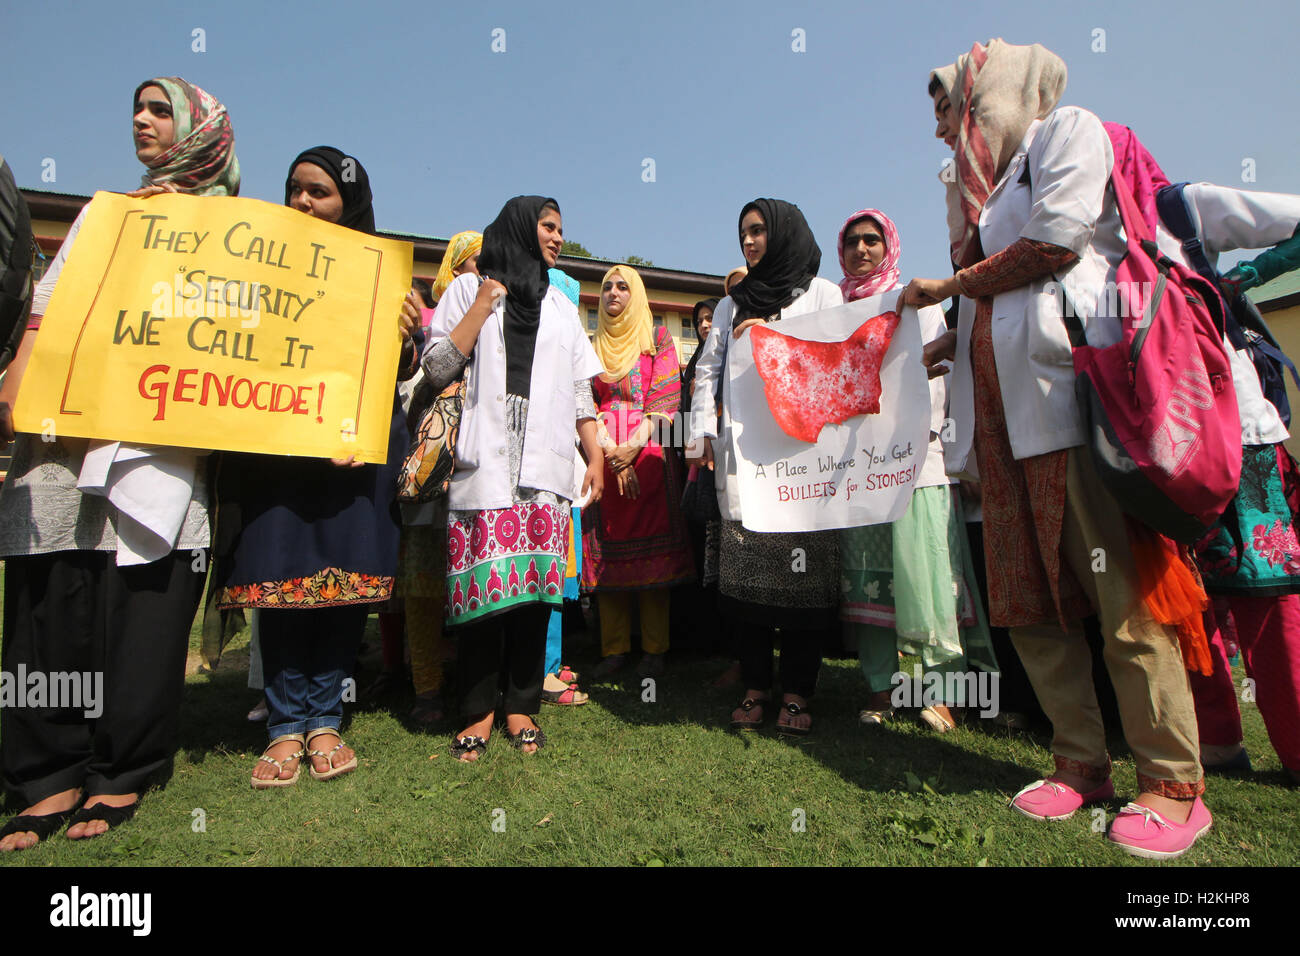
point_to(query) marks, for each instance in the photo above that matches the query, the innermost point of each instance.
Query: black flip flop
(44, 825)
(113, 816)
(460, 746)
(529, 735)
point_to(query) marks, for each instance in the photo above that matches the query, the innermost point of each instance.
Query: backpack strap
(1073, 327)
(1176, 214)
(1277, 355)
(1171, 204)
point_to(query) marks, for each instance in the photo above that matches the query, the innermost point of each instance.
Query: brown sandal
(747, 705)
(794, 710)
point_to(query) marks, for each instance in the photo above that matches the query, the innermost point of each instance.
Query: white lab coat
(821, 294)
(481, 480)
(1227, 219)
(933, 471)
(1065, 202)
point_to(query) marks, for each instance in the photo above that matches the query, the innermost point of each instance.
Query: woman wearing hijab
(696, 608)
(909, 586)
(702, 321)
(461, 256)
(134, 600)
(1030, 205)
(526, 388)
(759, 585)
(635, 540)
(422, 571)
(313, 543)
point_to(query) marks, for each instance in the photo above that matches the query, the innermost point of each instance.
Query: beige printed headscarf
(996, 91)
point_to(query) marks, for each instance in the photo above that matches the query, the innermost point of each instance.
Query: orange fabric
(1173, 593)
(571, 568)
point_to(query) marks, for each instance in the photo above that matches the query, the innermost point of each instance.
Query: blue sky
(711, 90)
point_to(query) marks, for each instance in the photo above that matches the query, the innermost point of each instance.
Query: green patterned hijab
(202, 159)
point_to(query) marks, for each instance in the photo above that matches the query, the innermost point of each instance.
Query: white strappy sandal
(278, 781)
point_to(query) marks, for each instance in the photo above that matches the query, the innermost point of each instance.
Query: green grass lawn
(624, 781)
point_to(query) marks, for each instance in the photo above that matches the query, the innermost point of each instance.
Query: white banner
(828, 434)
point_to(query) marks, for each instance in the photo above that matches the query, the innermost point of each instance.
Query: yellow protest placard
(222, 323)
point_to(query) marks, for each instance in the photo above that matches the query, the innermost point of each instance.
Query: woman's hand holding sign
(144, 192)
(923, 292)
(746, 324)
(409, 317)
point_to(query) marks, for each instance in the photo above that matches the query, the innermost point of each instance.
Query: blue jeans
(306, 656)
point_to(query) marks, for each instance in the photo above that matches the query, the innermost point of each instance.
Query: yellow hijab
(459, 248)
(621, 340)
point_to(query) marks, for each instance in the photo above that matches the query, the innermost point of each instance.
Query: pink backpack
(1159, 405)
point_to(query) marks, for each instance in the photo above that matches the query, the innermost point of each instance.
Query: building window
(40, 263)
(659, 320)
(688, 330)
(593, 320)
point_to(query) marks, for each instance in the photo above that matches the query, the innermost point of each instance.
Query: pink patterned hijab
(885, 276)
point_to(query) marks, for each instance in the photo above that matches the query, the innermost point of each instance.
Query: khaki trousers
(616, 620)
(1142, 657)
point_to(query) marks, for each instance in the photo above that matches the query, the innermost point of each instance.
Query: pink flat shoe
(1143, 832)
(1053, 800)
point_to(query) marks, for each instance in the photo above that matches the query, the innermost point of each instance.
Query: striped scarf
(201, 161)
(997, 90)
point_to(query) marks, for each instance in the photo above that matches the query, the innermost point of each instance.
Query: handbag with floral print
(426, 469)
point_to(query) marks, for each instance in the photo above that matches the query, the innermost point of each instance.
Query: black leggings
(801, 659)
(503, 659)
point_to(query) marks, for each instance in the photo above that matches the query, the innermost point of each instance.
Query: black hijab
(350, 178)
(787, 268)
(512, 256)
(710, 304)
(688, 373)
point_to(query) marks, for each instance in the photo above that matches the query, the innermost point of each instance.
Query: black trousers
(502, 659)
(77, 612)
(801, 659)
